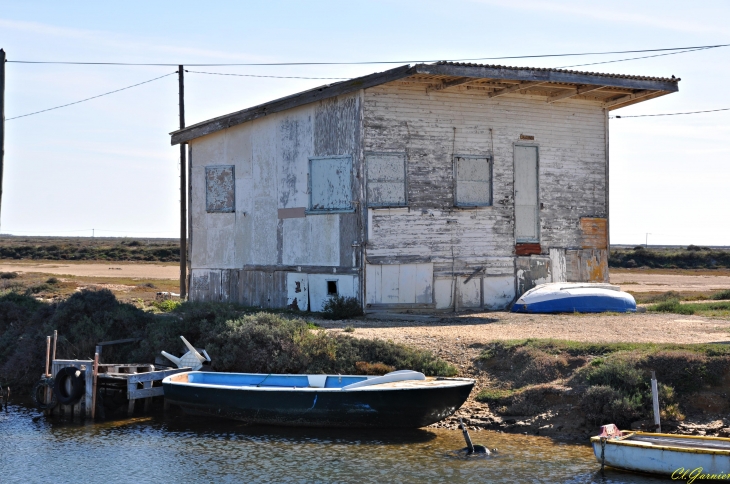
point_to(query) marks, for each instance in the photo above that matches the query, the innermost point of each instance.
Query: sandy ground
(152, 270)
(651, 281)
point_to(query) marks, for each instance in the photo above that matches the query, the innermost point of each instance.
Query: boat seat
(317, 381)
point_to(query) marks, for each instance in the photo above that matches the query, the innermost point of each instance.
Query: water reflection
(178, 448)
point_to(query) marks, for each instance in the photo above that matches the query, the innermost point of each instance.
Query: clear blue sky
(108, 164)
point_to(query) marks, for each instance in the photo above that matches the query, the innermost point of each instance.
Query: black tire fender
(77, 378)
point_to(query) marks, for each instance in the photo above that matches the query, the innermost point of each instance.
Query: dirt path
(152, 270)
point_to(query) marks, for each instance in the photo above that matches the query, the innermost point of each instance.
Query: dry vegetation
(89, 248)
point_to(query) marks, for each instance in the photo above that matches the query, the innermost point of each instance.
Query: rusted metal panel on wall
(595, 234)
(220, 188)
(587, 265)
(386, 179)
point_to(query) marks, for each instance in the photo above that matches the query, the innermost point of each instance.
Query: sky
(107, 165)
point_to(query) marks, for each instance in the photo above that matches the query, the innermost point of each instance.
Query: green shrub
(52, 280)
(619, 373)
(340, 307)
(167, 305)
(8, 275)
(672, 306)
(603, 404)
(721, 295)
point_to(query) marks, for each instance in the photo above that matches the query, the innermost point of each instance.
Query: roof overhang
(613, 91)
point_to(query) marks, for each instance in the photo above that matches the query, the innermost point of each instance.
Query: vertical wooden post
(55, 340)
(93, 385)
(183, 190)
(2, 121)
(48, 353)
(655, 401)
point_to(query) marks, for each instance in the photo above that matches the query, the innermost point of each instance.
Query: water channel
(182, 449)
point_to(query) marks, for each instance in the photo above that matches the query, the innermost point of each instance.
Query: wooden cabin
(436, 186)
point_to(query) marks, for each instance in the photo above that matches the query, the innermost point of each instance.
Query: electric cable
(89, 98)
(669, 114)
(276, 77)
(372, 62)
(634, 58)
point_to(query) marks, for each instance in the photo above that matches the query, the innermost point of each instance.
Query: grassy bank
(89, 248)
(605, 383)
(692, 257)
(237, 339)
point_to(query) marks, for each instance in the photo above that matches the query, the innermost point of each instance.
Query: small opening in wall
(331, 288)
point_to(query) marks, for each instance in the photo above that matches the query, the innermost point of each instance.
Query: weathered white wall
(271, 159)
(430, 128)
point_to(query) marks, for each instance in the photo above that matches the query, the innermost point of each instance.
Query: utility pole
(2, 120)
(646, 242)
(183, 191)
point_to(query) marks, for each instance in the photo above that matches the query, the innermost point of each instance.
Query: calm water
(181, 449)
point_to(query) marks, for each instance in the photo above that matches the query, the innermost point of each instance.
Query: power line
(634, 58)
(669, 114)
(276, 77)
(90, 98)
(372, 62)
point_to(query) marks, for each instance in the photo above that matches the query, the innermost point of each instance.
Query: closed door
(527, 221)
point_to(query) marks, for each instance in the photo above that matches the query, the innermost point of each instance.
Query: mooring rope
(603, 453)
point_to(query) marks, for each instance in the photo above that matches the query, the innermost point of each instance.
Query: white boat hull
(665, 458)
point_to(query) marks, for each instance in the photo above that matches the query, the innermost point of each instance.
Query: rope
(603, 453)
(259, 384)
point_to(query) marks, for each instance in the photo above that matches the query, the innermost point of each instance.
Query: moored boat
(578, 297)
(398, 399)
(678, 456)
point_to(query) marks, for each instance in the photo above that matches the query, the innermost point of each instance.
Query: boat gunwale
(454, 383)
(596, 440)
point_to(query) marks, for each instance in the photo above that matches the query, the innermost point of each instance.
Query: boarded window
(386, 179)
(330, 184)
(220, 189)
(473, 176)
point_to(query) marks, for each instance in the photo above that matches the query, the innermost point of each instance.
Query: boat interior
(709, 443)
(397, 379)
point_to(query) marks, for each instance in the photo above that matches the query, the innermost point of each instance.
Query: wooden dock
(141, 381)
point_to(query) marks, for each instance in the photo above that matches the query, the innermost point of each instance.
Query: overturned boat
(398, 399)
(678, 456)
(574, 297)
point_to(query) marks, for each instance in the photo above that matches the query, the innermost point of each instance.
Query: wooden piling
(93, 386)
(48, 353)
(55, 340)
(655, 401)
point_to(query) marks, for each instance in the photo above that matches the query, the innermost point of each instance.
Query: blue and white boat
(575, 297)
(398, 399)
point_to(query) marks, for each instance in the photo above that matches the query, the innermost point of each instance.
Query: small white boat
(678, 456)
(575, 297)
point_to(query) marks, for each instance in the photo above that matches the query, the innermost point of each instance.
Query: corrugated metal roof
(566, 71)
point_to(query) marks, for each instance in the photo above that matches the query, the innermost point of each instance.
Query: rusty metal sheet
(594, 232)
(220, 189)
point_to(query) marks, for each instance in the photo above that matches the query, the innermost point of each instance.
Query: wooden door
(527, 220)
